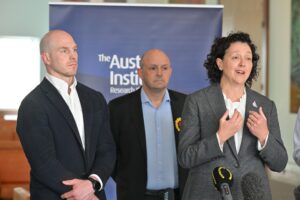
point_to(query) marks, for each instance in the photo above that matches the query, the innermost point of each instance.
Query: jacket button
(236, 165)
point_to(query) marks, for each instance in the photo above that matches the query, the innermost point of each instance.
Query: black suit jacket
(128, 129)
(52, 144)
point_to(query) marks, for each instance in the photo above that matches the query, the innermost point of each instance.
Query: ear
(45, 58)
(219, 62)
(139, 71)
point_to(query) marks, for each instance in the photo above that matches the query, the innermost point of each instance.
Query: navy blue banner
(112, 37)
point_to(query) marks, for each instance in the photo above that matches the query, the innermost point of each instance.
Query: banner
(112, 37)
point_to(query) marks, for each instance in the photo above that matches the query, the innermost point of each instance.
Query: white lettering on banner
(114, 90)
(123, 72)
(103, 58)
(125, 79)
(125, 63)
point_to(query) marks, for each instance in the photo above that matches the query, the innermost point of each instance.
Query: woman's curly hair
(218, 50)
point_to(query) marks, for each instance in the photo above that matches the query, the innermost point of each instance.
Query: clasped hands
(256, 122)
(81, 190)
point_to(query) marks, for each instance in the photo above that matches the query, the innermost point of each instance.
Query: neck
(233, 92)
(155, 96)
(69, 81)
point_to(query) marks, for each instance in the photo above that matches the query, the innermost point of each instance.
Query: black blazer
(128, 129)
(52, 144)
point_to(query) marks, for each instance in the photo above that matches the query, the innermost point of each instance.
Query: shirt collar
(145, 98)
(60, 84)
(241, 100)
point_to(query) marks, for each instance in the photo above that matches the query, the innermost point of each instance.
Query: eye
(165, 68)
(63, 50)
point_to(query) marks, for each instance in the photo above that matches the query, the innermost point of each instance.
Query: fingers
(70, 182)
(257, 124)
(67, 195)
(236, 119)
(256, 118)
(262, 113)
(227, 128)
(225, 115)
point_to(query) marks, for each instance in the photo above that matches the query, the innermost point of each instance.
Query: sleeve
(193, 149)
(113, 112)
(105, 151)
(259, 146)
(38, 144)
(274, 153)
(296, 153)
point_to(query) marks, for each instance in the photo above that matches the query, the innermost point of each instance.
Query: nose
(159, 72)
(73, 55)
(242, 62)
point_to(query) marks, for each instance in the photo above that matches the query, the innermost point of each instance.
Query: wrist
(220, 138)
(95, 184)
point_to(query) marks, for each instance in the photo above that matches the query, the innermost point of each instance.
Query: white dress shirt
(239, 106)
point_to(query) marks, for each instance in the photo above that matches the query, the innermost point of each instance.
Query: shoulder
(259, 97)
(175, 95)
(88, 92)
(126, 99)
(36, 95)
(213, 89)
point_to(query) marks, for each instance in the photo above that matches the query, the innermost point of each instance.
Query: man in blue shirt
(145, 126)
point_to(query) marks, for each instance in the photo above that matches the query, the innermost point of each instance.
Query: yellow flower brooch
(178, 123)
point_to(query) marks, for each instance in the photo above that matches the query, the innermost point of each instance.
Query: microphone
(223, 179)
(252, 187)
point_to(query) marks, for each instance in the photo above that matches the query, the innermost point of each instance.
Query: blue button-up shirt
(162, 170)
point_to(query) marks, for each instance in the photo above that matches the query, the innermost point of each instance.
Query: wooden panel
(14, 166)
(7, 130)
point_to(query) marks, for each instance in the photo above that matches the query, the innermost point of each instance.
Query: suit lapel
(58, 102)
(176, 113)
(216, 100)
(87, 118)
(138, 120)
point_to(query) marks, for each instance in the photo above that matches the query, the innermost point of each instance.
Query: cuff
(259, 147)
(95, 176)
(220, 145)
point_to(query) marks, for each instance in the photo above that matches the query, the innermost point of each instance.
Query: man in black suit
(64, 129)
(145, 126)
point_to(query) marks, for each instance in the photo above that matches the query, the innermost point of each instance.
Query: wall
(279, 68)
(24, 17)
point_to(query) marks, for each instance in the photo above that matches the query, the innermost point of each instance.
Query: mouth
(240, 72)
(73, 64)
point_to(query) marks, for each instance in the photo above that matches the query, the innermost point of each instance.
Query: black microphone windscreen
(222, 175)
(252, 187)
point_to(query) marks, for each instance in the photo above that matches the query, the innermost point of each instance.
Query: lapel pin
(178, 124)
(254, 104)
